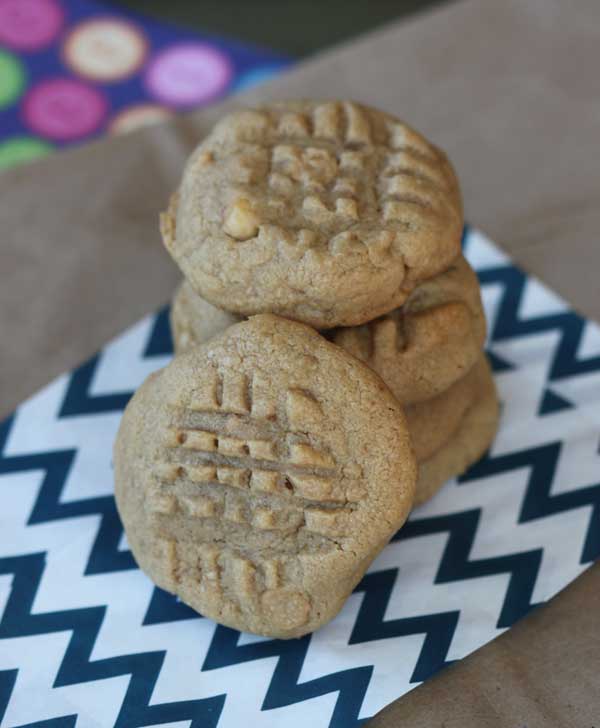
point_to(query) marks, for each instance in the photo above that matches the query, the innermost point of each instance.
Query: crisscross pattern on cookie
(316, 177)
(238, 458)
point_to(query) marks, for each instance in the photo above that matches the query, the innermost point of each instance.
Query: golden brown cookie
(429, 343)
(325, 212)
(259, 474)
(194, 320)
(419, 350)
(472, 438)
(433, 422)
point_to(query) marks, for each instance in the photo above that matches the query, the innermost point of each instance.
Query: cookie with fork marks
(329, 213)
(420, 350)
(259, 474)
(470, 440)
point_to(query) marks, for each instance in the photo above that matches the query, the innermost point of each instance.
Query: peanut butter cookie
(419, 350)
(259, 474)
(329, 213)
(472, 438)
(433, 422)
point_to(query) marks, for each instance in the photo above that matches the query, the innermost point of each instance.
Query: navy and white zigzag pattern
(86, 640)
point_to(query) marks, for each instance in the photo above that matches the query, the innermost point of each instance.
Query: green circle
(12, 78)
(22, 149)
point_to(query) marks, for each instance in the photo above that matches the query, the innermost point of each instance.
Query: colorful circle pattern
(29, 25)
(63, 108)
(22, 149)
(105, 49)
(188, 74)
(12, 79)
(134, 117)
(70, 70)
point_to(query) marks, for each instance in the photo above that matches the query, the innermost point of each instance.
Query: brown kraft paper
(512, 91)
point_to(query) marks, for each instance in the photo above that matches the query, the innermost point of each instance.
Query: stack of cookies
(260, 473)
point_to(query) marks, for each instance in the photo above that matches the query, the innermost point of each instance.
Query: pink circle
(188, 74)
(62, 108)
(29, 25)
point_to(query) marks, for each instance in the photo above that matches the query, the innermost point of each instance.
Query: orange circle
(135, 117)
(105, 49)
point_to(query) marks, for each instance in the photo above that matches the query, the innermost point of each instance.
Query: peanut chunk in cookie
(241, 222)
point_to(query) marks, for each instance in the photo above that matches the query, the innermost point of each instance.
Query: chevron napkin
(86, 640)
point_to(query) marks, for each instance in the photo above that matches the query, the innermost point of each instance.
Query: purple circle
(188, 73)
(28, 25)
(63, 109)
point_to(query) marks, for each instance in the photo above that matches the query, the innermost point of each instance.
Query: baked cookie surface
(428, 344)
(194, 320)
(472, 438)
(433, 422)
(325, 212)
(259, 474)
(419, 350)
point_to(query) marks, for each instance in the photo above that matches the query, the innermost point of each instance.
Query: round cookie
(194, 320)
(472, 438)
(428, 344)
(433, 422)
(430, 422)
(259, 474)
(419, 350)
(329, 213)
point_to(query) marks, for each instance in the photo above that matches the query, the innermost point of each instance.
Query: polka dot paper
(71, 70)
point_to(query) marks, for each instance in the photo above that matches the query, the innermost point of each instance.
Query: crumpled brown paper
(511, 90)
